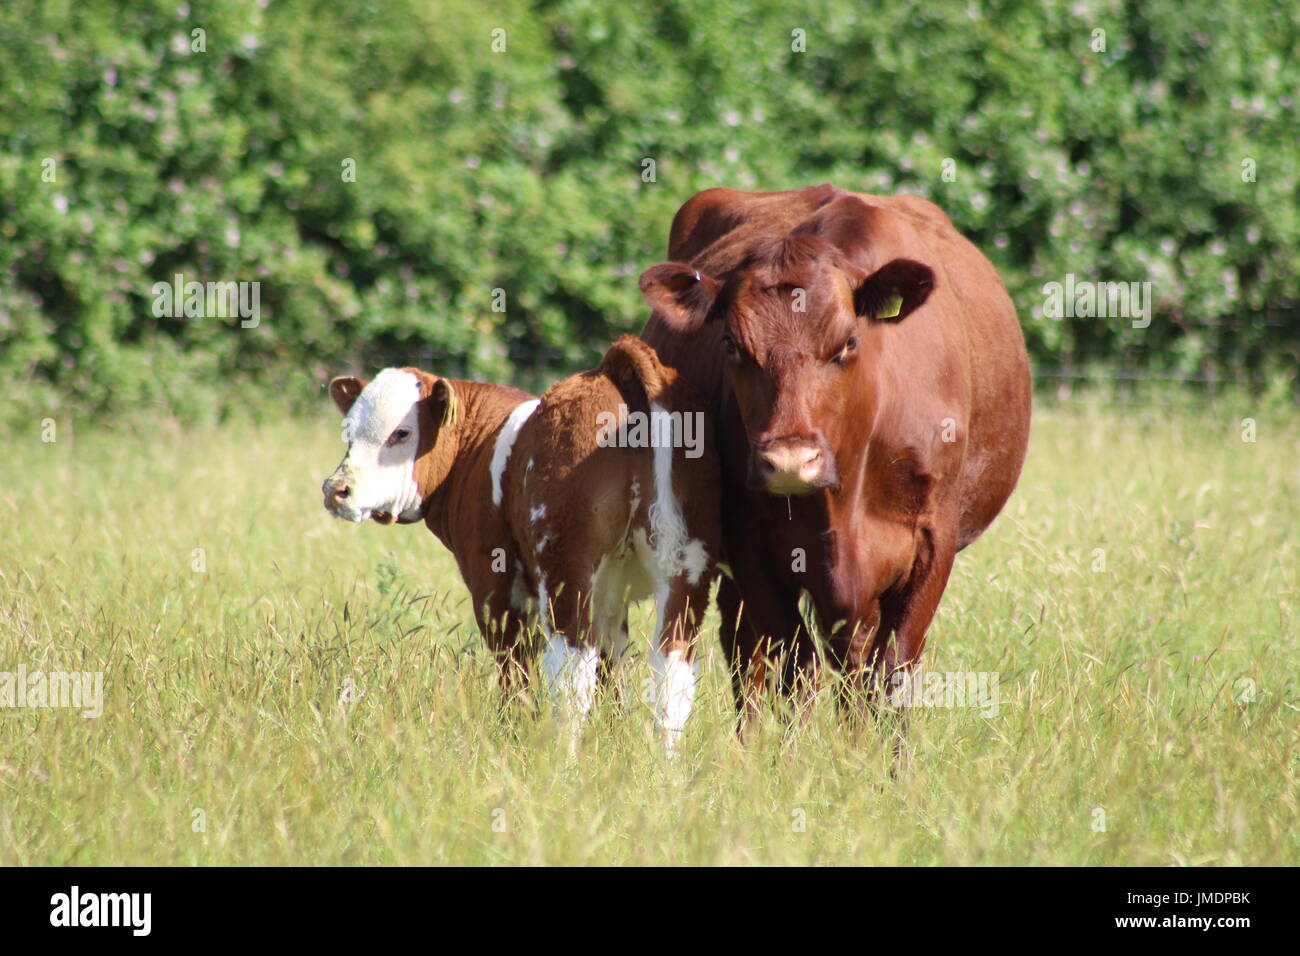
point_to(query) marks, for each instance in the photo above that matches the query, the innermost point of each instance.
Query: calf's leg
(680, 609)
(570, 660)
(503, 628)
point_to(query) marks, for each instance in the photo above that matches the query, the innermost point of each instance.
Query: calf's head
(797, 321)
(399, 430)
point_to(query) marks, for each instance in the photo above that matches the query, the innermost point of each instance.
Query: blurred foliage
(522, 170)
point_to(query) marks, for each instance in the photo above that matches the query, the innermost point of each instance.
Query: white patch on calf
(694, 558)
(506, 441)
(674, 692)
(379, 476)
(674, 550)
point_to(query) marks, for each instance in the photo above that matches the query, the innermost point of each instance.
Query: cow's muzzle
(792, 466)
(336, 491)
(339, 499)
(339, 502)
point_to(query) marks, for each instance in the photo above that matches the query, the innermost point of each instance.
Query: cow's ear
(680, 293)
(445, 403)
(344, 390)
(893, 291)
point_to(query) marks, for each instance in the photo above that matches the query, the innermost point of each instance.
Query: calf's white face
(377, 475)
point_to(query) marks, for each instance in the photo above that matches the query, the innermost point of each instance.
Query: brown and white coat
(559, 508)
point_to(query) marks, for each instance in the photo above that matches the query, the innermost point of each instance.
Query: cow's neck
(863, 539)
(876, 515)
(461, 504)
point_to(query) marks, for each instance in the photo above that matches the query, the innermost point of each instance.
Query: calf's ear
(344, 390)
(680, 293)
(893, 291)
(444, 403)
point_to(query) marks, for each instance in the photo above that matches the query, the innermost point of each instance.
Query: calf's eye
(399, 436)
(729, 345)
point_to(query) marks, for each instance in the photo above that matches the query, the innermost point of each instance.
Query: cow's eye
(399, 436)
(729, 346)
(847, 350)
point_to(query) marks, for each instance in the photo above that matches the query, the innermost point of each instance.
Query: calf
(563, 507)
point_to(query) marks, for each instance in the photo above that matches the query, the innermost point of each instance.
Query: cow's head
(798, 319)
(399, 430)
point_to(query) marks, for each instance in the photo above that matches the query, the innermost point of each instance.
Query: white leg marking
(571, 673)
(674, 693)
(674, 678)
(506, 441)
(571, 682)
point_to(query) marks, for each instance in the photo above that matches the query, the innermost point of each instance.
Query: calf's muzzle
(335, 490)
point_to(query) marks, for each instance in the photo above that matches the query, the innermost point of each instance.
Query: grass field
(300, 690)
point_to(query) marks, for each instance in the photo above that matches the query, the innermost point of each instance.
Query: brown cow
(873, 396)
(603, 490)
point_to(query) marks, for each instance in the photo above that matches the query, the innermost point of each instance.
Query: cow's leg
(570, 659)
(511, 655)
(801, 671)
(850, 646)
(737, 646)
(906, 613)
(680, 608)
(503, 628)
(765, 638)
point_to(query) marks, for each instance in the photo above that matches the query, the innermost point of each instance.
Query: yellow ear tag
(893, 305)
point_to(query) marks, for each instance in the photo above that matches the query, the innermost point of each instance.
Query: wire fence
(1139, 386)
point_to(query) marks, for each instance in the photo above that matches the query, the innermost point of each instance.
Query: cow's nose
(793, 466)
(334, 490)
(800, 460)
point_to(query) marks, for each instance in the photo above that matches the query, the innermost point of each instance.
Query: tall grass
(285, 688)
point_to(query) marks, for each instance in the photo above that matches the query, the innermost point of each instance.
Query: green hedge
(522, 171)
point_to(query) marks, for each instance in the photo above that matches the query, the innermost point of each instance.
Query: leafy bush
(133, 148)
